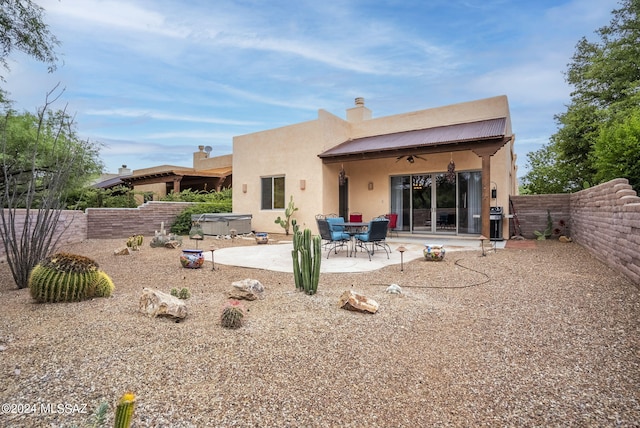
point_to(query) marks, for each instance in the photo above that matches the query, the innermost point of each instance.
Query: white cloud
(157, 115)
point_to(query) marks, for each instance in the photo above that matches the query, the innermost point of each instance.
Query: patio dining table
(352, 228)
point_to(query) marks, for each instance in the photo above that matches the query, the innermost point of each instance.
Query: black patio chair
(331, 239)
(374, 237)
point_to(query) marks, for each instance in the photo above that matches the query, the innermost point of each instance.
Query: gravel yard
(547, 336)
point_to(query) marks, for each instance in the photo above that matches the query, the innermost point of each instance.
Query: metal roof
(430, 137)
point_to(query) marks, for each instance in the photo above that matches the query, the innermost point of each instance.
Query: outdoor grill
(496, 215)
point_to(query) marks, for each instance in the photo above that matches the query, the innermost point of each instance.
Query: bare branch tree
(33, 192)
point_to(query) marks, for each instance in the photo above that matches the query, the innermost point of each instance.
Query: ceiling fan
(410, 158)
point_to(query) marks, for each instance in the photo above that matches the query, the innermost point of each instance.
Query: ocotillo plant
(65, 277)
(307, 256)
(124, 411)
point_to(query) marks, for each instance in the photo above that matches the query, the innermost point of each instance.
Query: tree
(41, 158)
(605, 76)
(617, 149)
(22, 28)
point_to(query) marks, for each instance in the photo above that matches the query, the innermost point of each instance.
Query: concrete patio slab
(277, 256)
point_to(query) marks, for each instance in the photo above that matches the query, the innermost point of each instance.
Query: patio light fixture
(402, 249)
(370, 186)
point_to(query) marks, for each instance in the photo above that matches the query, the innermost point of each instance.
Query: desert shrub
(182, 224)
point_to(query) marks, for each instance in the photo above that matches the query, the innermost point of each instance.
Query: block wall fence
(106, 223)
(605, 219)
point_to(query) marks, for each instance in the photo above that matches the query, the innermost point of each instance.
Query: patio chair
(375, 237)
(393, 222)
(355, 217)
(332, 239)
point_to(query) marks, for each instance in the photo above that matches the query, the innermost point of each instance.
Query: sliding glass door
(437, 203)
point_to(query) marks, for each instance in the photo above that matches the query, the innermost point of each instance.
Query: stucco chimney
(359, 112)
(199, 156)
(124, 171)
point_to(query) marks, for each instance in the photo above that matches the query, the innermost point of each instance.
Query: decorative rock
(155, 303)
(124, 251)
(171, 244)
(393, 289)
(357, 302)
(247, 289)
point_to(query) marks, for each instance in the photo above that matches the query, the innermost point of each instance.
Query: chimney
(124, 171)
(358, 113)
(198, 157)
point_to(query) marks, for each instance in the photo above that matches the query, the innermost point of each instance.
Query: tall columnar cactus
(307, 256)
(124, 411)
(65, 277)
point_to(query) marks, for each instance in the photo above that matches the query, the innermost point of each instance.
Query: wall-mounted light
(244, 188)
(303, 184)
(370, 187)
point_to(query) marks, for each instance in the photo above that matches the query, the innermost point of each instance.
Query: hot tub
(222, 223)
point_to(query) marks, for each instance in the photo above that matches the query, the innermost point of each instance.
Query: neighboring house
(108, 181)
(208, 173)
(439, 169)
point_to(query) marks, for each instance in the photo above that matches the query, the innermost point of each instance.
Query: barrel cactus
(232, 315)
(64, 277)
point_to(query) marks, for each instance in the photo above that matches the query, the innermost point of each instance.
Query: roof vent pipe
(359, 101)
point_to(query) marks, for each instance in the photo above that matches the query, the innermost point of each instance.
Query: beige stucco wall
(290, 151)
(293, 151)
(159, 190)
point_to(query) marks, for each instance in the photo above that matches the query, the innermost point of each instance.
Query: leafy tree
(617, 149)
(40, 159)
(544, 176)
(22, 28)
(605, 76)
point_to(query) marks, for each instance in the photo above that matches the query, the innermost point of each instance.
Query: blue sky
(151, 80)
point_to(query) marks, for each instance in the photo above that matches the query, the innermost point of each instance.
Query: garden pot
(262, 238)
(192, 259)
(434, 253)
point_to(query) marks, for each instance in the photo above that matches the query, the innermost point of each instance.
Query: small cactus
(135, 241)
(183, 294)
(65, 277)
(124, 411)
(232, 315)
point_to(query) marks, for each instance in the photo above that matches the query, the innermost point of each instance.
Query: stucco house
(439, 169)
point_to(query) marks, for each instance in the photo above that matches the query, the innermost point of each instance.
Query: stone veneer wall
(75, 223)
(605, 219)
(104, 223)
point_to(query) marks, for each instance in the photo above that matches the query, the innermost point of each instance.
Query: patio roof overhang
(482, 137)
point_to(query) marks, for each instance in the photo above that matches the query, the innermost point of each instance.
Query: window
(272, 193)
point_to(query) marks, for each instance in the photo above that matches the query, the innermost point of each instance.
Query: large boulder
(247, 289)
(155, 303)
(357, 302)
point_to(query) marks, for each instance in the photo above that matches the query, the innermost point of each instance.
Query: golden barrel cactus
(64, 277)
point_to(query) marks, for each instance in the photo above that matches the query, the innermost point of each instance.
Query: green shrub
(182, 224)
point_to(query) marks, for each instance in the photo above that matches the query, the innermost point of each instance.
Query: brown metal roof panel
(482, 130)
